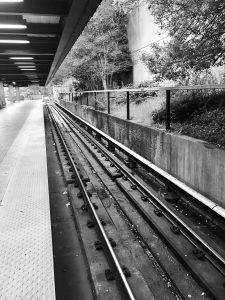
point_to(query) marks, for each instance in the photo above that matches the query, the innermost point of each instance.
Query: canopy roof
(36, 35)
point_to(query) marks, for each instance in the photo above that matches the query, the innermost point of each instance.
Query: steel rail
(157, 88)
(115, 261)
(156, 171)
(215, 259)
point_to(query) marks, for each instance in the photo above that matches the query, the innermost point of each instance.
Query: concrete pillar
(11, 93)
(2, 95)
(17, 93)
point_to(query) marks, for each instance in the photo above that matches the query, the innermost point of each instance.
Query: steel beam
(2, 95)
(17, 93)
(11, 93)
(34, 29)
(40, 7)
(31, 39)
(27, 49)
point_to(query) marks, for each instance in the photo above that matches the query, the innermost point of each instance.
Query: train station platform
(26, 259)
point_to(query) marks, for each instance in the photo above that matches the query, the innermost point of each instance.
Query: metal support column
(128, 106)
(2, 95)
(108, 98)
(95, 101)
(17, 93)
(11, 93)
(87, 100)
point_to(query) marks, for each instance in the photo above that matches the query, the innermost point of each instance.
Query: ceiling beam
(21, 79)
(42, 58)
(17, 77)
(33, 40)
(26, 83)
(34, 29)
(24, 80)
(40, 7)
(18, 71)
(27, 49)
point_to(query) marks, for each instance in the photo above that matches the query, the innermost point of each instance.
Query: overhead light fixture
(28, 69)
(10, 1)
(14, 41)
(21, 58)
(12, 26)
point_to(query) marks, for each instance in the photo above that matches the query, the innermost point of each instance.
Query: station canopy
(36, 35)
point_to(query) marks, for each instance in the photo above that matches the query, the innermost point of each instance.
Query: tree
(196, 30)
(102, 49)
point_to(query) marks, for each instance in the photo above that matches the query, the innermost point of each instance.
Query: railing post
(167, 109)
(95, 100)
(108, 97)
(128, 106)
(87, 100)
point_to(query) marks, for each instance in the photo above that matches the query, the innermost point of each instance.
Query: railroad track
(182, 252)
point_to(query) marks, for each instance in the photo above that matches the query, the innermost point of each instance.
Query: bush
(197, 115)
(208, 126)
(184, 107)
(100, 105)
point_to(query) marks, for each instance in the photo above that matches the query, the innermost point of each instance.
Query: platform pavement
(26, 260)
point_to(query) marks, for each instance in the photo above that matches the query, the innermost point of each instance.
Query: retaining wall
(197, 163)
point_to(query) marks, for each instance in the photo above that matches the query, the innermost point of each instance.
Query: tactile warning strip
(26, 259)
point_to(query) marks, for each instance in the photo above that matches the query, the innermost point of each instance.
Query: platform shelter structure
(35, 37)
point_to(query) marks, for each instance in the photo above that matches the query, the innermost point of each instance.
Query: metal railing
(84, 97)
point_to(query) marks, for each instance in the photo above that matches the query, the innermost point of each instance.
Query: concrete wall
(2, 95)
(142, 32)
(197, 163)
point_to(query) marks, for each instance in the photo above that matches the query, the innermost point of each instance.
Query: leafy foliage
(102, 49)
(196, 30)
(126, 5)
(208, 126)
(197, 115)
(184, 106)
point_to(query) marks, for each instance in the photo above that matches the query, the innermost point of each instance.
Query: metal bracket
(98, 245)
(158, 212)
(175, 229)
(110, 275)
(199, 253)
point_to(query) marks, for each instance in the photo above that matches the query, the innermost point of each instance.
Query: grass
(140, 112)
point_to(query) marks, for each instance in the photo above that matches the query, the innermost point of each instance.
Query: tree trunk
(104, 82)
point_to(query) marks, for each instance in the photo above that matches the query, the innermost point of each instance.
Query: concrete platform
(26, 260)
